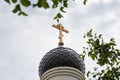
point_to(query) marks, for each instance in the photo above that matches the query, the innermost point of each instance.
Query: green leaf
(82, 56)
(8, 1)
(14, 1)
(60, 1)
(112, 39)
(102, 71)
(100, 35)
(88, 73)
(45, 4)
(55, 3)
(58, 16)
(111, 43)
(84, 36)
(22, 13)
(42, 3)
(84, 2)
(90, 31)
(25, 3)
(62, 9)
(34, 5)
(65, 3)
(39, 4)
(94, 76)
(16, 9)
(58, 20)
(93, 56)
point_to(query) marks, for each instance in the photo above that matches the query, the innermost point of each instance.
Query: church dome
(61, 57)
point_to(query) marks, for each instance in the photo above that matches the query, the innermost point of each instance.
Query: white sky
(25, 40)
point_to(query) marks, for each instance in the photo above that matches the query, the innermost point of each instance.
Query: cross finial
(60, 28)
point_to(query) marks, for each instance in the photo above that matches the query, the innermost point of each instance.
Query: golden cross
(60, 28)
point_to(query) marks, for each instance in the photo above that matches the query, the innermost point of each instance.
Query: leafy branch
(61, 4)
(105, 54)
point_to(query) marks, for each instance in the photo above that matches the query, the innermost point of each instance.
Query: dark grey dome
(59, 57)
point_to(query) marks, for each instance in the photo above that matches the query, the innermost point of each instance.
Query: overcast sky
(25, 40)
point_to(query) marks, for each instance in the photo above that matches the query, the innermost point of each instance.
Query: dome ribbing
(61, 57)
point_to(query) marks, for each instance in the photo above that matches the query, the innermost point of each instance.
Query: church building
(61, 63)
